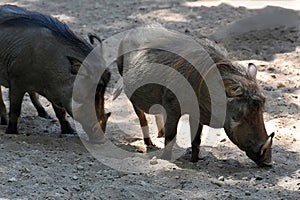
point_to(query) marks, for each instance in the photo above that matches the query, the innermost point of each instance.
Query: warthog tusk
(267, 144)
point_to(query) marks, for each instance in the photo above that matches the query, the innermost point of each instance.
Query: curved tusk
(267, 144)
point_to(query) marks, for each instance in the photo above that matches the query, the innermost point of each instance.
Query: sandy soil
(41, 164)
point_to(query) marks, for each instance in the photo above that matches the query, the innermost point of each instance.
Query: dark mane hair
(227, 67)
(14, 15)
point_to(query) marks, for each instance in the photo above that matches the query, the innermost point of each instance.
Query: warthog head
(244, 123)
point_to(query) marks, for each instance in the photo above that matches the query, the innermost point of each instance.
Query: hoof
(3, 121)
(12, 132)
(194, 159)
(70, 131)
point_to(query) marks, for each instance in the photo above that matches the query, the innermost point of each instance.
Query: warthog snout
(265, 156)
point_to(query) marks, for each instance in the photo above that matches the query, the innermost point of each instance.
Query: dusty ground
(40, 164)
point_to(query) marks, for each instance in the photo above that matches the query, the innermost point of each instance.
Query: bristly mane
(14, 15)
(226, 67)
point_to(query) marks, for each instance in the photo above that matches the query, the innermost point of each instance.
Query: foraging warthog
(143, 57)
(41, 54)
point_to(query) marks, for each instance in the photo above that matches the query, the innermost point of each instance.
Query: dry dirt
(41, 164)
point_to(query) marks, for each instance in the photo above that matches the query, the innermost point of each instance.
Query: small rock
(178, 162)
(273, 75)
(247, 193)
(259, 178)
(218, 183)
(76, 188)
(223, 140)
(280, 85)
(162, 195)
(153, 161)
(44, 181)
(12, 179)
(271, 69)
(75, 178)
(179, 192)
(80, 168)
(26, 170)
(187, 31)
(220, 165)
(252, 181)
(221, 178)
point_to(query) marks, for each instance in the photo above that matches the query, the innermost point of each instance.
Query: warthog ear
(252, 69)
(232, 88)
(75, 65)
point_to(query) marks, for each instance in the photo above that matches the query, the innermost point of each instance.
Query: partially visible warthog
(35, 101)
(141, 54)
(60, 113)
(41, 54)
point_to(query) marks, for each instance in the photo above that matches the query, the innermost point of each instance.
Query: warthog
(35, 101)
(59, 112)
(41, 54)
(142, 53)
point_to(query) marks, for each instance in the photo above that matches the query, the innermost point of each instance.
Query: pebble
(247, 193)
(80, 168)
(218, 183)
(221, 178)
(220, 165)
(153, 161)
(75, 178)
(76, 188)
(12, 179)
(281, 85)
(187, 31)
